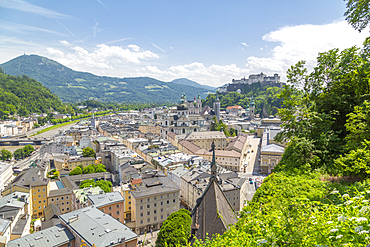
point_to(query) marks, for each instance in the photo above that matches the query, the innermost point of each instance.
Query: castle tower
(251, 109)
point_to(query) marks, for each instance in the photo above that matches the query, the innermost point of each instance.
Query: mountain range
(75, 86)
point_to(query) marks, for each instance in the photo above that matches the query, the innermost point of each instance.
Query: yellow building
(270, 156)
(150, 128)
(204, 139)
(74, 162)
(30, 181)
(61, 198)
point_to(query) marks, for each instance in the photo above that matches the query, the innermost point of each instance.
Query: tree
(356, 162)
(28, 149)
(5, 154)
(19, 153)
(155, 116)
(104, 185)
(175, 230)
(86, 183)
(358, 14)
(89, 169)
(76, 171)
(100, 168)
(358, 126)
(214, 124)
(88, 152)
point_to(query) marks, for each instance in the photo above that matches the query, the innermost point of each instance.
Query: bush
(76, 171)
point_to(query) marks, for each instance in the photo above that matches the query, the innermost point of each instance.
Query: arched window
(183, 131)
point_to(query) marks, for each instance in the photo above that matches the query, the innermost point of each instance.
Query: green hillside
(23, 95)
(73, 86)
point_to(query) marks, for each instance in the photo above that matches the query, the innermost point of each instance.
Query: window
(62, 203)
(39, 207)
(155, 211)
(174, 194)
(155, 204)
(58, 204)
(174, 200)
(57, 198)
(148, 213)
(67, 197)
(67, 209)
(168, 195)
(141, 207)
(44, 201)
(161, 203)
(155, 218)
(34, 199)
(52, 199)
(161, 210)
(38, 190)
(148, 220)
(39, 196)
(155, 198)
(161, 217)
(141, 214)
(148, 199)
(62, 209)
(161, 197)
(141, 201)
(39, 201)
(141, 221)
(43, 189)
(129, 197)
(129, 203)
(148, 206)
(129, 208)
(117, 212)
(168, 201)
(67, 203)
(62, 198)
(110, 208)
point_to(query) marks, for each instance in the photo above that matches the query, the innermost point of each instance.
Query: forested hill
(23, 95)
(266, 100)
(73, 86)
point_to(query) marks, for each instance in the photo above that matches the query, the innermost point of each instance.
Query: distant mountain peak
(75, 86)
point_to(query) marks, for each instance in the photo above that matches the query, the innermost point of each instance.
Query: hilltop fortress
(243, 84)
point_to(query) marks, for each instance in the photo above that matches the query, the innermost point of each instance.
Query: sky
(210, 42)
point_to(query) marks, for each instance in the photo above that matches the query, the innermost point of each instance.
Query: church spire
(213, 164)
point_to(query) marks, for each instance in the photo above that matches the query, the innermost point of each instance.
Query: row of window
(154, 219)
(155, 204)
(155, 198)
(62, 198)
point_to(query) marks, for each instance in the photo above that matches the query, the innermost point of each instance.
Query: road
(51, 133)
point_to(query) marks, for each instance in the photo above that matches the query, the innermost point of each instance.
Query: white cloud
(31, 8)
(64, 42)
(303, 42)
(244, 44)
(102, 57)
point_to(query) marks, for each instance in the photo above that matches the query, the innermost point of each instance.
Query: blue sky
(210, 42)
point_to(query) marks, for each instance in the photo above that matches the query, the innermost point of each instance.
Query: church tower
(213, 164)
(251, 109)
(217, 108)
(199, 102)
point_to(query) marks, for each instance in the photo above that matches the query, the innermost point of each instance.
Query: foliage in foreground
(302, 211)
(175, 230)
